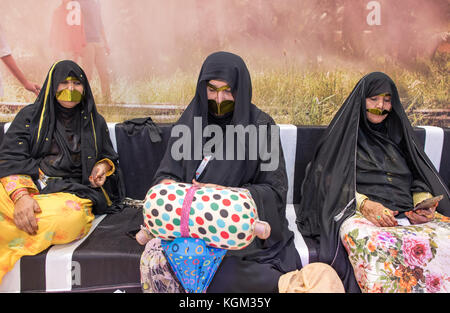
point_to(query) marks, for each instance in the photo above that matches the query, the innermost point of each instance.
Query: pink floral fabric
(413, 258)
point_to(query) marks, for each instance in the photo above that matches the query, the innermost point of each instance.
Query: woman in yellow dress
(57, 168)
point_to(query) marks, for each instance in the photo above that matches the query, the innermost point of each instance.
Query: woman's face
(219, 96)
(380, 102)
(70, 85)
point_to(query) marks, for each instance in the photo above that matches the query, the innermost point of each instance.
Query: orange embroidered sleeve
(14, 182)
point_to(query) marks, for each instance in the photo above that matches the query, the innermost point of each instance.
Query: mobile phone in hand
(428, 203)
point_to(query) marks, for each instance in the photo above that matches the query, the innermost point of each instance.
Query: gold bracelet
(16, 192)
(362, 204)
(17, 198)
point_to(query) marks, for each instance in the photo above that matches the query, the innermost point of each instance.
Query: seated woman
(57, 168)
(223, 98)
(367, 175)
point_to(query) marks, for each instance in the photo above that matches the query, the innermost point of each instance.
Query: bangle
(362, 204)
(20, 196)
(19, 193)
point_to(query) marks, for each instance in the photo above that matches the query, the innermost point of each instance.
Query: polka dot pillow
(223, 217)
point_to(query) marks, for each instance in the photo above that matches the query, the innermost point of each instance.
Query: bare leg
(102, 69)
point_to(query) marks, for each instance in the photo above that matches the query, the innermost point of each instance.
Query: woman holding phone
(362, 192)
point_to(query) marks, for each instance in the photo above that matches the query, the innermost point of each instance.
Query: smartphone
(427, 203)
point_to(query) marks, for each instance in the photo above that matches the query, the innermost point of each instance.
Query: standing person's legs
(102, 69)
(88, 59)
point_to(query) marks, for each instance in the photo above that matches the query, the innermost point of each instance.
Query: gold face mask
(69, 95)
(378, 111)
(223, 107)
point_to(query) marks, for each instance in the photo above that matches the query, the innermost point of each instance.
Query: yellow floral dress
(64, 218)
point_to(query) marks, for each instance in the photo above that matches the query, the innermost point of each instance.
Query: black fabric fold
(136, 125)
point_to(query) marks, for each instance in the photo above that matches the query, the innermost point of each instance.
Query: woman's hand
(421, 216)
(194, 183)
(98, 174)
(197, 184)
(24, 214)
(378, 214)
(35, 88)
(167, 180)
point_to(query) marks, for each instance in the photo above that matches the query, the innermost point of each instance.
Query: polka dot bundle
(223, 217)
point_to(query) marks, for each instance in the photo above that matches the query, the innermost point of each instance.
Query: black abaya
(257, 267)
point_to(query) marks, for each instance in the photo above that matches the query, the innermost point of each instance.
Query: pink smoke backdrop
(157, 38)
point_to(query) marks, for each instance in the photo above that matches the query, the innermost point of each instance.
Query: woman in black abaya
(57, 168)
(365, 178)
(224, 79)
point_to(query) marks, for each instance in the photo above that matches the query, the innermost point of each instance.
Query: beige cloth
(313, 278)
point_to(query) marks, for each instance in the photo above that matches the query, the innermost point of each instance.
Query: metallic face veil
(69, 95)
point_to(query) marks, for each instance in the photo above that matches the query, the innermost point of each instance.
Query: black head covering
(230, 68)
(258, 266)
(31, 135)
(328, 190)
(46, 104)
